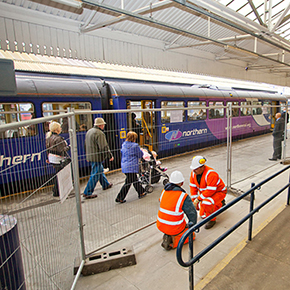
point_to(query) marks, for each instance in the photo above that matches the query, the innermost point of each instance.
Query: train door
(143, 123)
(274, 111)
(148, 124)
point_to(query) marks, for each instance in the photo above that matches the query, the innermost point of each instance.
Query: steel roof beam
(150, 8)
(202, 11)
(175, 29)
(256, 12)
(232, 38)
(219, 9)
(281, 18)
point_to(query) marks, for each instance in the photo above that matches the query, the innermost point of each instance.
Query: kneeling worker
(207, 189)
(174, 202)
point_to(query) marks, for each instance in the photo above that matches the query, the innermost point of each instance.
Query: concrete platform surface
(264, 263)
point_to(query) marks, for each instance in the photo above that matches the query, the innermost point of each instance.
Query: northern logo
(176, 134)
(173, 135)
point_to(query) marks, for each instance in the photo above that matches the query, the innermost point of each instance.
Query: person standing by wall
(207, 189)
(278, 136)
(97, 150)
(131, 153)
(57, 151)
(174, 202)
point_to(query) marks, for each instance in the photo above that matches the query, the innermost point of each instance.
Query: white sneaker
(106, 170)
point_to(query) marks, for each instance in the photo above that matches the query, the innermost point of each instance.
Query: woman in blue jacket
(131, 153)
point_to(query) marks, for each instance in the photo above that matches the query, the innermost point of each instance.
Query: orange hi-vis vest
(210, 183)
(170, 219)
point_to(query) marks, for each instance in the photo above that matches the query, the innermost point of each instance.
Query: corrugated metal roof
(213, 26)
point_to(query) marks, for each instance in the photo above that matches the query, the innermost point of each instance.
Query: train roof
(57, 86)
(162, 90)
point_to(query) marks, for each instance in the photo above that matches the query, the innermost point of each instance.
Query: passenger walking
(278, 136)
(97, 150)
(57, 151)
(207, 189)
(174, 202)
(131, 153)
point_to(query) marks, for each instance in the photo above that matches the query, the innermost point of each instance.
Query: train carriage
(23, 152)
(201, 117)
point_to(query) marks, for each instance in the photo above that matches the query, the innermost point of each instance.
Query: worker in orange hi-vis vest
(174, 203)
(207, 189)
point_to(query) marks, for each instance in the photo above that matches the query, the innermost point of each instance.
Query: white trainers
(106, 170)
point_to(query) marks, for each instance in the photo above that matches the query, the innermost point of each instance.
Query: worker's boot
(209, 224)
(167, 242)
(223, 202)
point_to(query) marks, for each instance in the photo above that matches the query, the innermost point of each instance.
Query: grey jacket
(97, 148)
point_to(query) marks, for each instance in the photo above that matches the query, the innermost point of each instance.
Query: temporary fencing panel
(47, 228)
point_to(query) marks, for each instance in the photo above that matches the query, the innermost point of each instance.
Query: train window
(244, 110)
(16, 112)
(257, 111)
(135, 105)
(266, 108)
(235, 111)
(83, 122)
(196, 114)
(172, 116)
(215, 110)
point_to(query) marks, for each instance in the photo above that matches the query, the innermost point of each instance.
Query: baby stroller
(150, 171)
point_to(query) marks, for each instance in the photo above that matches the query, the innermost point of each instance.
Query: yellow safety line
(221, 265)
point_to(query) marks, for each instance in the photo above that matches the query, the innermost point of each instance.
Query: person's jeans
(97, 174)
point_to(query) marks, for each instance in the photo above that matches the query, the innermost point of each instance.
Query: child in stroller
(150, 170)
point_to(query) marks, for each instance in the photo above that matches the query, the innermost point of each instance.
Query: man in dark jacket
(97, 150)
(174, 205)
(278, 136)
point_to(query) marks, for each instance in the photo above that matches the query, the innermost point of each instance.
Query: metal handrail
(196, 227)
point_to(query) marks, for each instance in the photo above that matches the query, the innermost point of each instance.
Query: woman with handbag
(57, 151)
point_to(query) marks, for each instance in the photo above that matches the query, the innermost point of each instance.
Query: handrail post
(251, 217)
(191, 272)
(288, 198)
(229, 145)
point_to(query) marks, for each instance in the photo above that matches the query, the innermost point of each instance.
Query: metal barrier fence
(47, 228)
(249, 216)
(53, 233)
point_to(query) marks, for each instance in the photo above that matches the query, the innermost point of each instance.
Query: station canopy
(255, 31)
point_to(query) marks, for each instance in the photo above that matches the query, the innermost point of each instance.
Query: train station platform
(264, 263)
(157, 268)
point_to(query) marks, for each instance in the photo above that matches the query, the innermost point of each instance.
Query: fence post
(288, 198)
(75, 167)
(229, 145)
(191, 272)
(251, 208)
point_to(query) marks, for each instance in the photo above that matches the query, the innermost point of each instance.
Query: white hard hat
(197, 161)
(176, 177)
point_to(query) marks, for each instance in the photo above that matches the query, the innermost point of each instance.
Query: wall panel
(110, 46)
(10, 37)
(25, 36)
